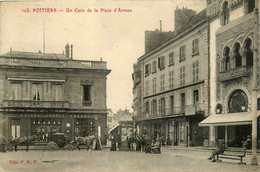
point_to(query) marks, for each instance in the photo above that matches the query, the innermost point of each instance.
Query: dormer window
(225, 13)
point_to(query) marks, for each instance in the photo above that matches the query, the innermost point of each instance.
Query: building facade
(234, 44)
(44, 93)
(174, 81)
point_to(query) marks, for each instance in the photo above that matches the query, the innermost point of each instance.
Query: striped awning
(244, 118)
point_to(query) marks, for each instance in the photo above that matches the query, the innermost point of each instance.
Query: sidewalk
(202, 153)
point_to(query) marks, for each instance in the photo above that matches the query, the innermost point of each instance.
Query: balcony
(242, 71)
(35, 104)
(186, 110)
(52, 63)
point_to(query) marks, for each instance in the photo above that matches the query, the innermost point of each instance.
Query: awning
(244, 118)
(113, 128)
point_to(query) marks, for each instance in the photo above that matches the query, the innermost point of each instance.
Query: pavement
(172, 158)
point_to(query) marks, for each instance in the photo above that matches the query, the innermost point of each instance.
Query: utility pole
(255, 89)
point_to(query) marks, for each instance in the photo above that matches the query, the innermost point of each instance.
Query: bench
(233, 153)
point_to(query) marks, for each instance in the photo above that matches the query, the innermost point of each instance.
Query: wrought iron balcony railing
(175, 111)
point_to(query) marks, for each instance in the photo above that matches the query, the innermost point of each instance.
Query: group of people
(144, 143)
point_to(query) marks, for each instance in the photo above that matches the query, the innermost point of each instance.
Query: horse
(22, 141)
(84, 141)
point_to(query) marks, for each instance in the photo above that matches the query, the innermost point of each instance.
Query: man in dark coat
(220, 150)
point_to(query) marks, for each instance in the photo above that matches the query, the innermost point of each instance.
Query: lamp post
(254, 91)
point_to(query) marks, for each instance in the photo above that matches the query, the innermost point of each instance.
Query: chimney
(71, 51)
(182, 17)
(67, 51)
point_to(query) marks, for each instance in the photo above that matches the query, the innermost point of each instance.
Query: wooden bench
(233, 153)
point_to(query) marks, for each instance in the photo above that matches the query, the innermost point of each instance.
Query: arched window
(236, 55)
(248, 53)
(249, 6)
(226, 59)
(225, 13)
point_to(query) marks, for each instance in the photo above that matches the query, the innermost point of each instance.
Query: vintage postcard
(129, 85)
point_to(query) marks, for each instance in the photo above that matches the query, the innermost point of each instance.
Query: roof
(243, 118)
(21, 54)
(202, 15)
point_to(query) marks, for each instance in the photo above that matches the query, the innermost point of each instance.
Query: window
(147, 87)
(37, 92)
(249, 6)
(225, 13)
(147, 69)
(147, 107)
(154, 105)
(226, 59)
(171, 79)
(162, 82)
(154, 66)
(171, 58)
(154, 85)
(195, 46)
(195, 97)
(172, 104)
(182, 53)
(183, 102)
(15, 128)
(161, 63)
(182, 76)
(236, 55)
(16, 91)
(195, 67)
(162, 106)
(87, 95)
(56, 92)
(248, 52)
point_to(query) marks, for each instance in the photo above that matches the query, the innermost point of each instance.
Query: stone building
(174, 83)
(44, 93)
(234, 43)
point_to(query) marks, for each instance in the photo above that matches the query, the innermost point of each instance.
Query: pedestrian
(220, 150)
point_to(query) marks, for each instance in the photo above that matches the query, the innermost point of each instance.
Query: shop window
(87, 95)
(225, 13)
(248, 53)
(16, 91)
(226, 59)
(237, 56)
(15, 128)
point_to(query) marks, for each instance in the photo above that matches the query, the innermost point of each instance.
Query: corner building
(174, 81)
(45, 93)
(234, 44)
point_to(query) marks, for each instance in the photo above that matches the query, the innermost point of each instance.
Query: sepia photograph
(129, 85)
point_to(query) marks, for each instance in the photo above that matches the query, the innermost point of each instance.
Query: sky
(117, 37)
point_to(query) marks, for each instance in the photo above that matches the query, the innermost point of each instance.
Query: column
(212, 136)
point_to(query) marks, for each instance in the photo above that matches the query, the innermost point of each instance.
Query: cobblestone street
(171, 159)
